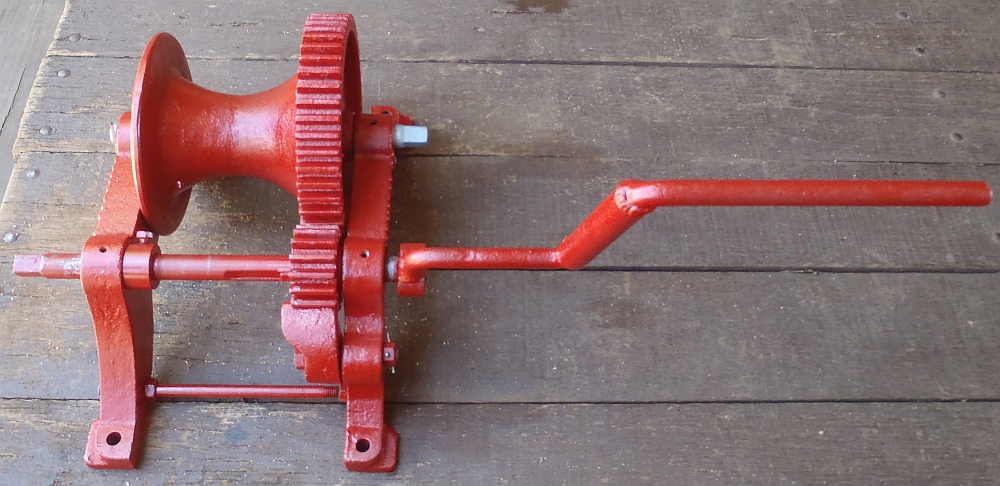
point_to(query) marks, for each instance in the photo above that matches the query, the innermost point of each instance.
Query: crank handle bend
(633, 199)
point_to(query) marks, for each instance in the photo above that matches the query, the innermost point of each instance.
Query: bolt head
(145, 237)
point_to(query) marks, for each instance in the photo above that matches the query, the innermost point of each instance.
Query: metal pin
(392, 270)
(409, 136)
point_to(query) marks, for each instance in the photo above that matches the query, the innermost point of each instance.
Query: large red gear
(327, 101)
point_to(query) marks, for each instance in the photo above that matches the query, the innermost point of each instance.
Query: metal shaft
(653, 194)
(189, 392)
(628, 203)
(632, 200)
(272, 268)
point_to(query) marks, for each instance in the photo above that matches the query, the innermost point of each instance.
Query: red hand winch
(310, 136)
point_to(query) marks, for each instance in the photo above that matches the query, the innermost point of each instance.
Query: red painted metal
(299, 135)
(52, 265)
(310, 136)
(632, 200)
(266, 268)
(158, 391)
(189, 134)
(295, 135)
(327, 101)
(261, 268)
(371, 444)
(642, 195)
(123, 322)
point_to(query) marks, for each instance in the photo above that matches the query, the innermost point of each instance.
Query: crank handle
(633, 199)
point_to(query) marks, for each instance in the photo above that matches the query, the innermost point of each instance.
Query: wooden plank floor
(26, 28)
(755, 345)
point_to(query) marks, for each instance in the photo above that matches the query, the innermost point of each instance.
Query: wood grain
(558, 337)
(847, 444)
(954, 36)
(711, 115)
(26, 29)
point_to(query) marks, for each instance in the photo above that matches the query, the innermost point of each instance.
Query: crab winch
(311, 137)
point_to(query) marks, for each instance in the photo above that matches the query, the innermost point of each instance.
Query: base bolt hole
(114, 438)
(363, 445)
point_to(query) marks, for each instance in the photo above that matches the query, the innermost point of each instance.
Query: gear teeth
(319, 118)
(315, 251)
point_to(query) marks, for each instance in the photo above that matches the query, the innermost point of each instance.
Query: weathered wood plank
(815, 33)
(697, 336)
(462, 201)
(526, 444)
(489, 201)
(26, 30)
(549, 336)
(712, 115)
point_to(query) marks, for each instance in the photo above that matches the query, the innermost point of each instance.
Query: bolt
(46, 130)
(74, 38)
(145, 237)
(150, 391)
(409, 136)
(10, 237)
(389, 354)
(62, 73)
(31, 174)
